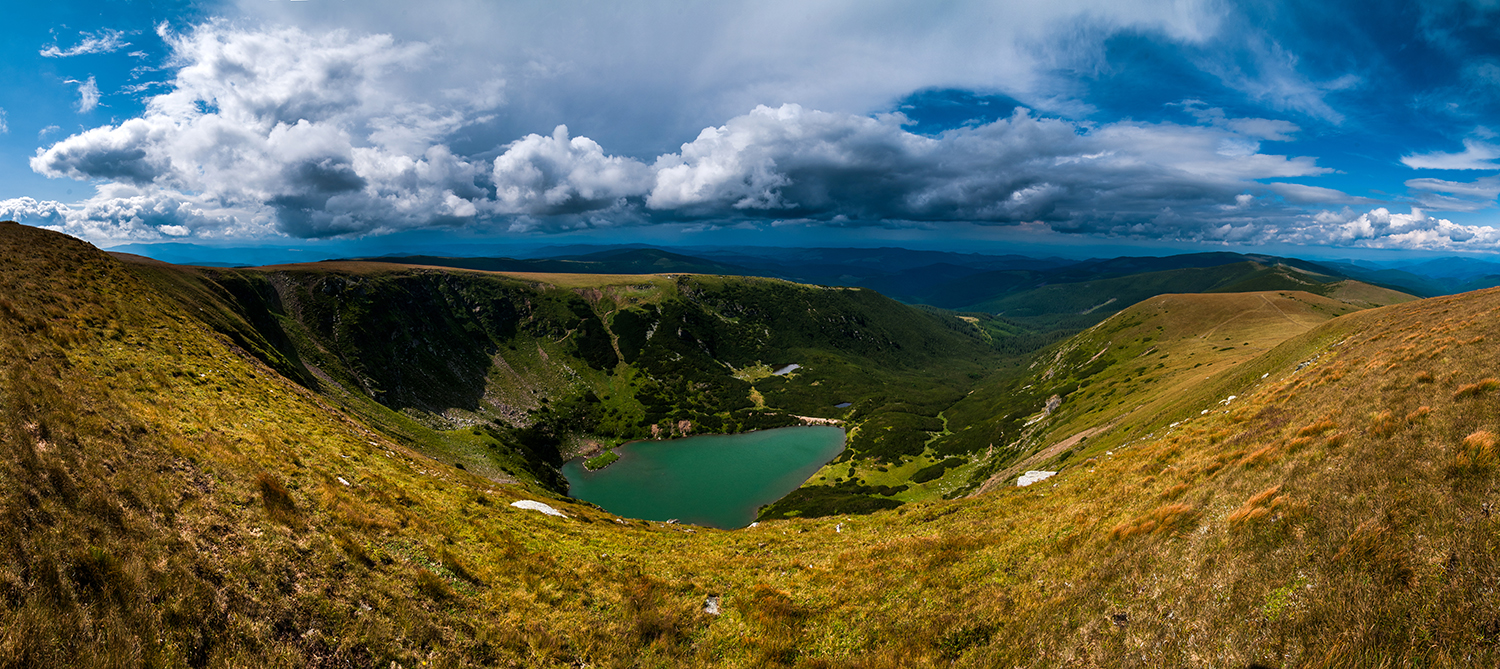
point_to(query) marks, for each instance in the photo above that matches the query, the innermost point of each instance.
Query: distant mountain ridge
(1045, 294)
(620, 261)
(907, 274)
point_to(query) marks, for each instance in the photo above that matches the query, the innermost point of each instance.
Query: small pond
(717, 481)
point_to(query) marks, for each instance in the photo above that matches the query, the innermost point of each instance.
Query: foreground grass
(170, 501)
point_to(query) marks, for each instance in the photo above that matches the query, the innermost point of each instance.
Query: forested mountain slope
(509, 374)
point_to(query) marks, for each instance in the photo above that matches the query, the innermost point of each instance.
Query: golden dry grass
(137, 529)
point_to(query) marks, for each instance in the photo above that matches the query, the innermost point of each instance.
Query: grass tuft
(1384, 424)
(1475, 456)
(1175, 491)
(1168, 519)
(433, 586)
(1477, 388)
(657, 618)
(1267, 504)
(277, 499)
(456, 567)
(1375, 548)
(1316, 428)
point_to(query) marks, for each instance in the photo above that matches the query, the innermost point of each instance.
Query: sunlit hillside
(1138, 370)
(173, 494)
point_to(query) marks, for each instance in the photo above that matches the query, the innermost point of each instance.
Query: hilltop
(171, 497)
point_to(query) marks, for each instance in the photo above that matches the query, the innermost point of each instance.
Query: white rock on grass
(537, 506)
(1032, 477)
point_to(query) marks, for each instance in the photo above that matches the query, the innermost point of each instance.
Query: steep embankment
(168, 500)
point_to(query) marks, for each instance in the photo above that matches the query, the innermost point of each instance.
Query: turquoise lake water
(717, 481)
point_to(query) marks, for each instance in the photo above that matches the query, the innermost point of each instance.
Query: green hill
(1075, 305)
(170, 499)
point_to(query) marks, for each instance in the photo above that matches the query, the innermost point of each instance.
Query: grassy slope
(1151, 365)
(1128, 373)
(169, 501)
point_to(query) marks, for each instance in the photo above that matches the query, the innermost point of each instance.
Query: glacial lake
(716, 481)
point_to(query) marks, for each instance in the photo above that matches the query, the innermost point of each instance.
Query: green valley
(321, 465)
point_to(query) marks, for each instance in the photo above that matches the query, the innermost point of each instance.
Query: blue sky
(1316, 128)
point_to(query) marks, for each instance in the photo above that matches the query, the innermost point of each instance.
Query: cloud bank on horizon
(278, 124)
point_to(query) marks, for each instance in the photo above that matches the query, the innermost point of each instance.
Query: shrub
(816, 501)
(936, 470)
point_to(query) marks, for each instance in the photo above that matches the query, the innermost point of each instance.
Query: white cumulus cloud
(327, 131)
(121, 212)
(1382, 228)
(562, 175)
(34, 212)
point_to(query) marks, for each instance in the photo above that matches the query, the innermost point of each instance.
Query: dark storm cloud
(116, 153)
(796, 163)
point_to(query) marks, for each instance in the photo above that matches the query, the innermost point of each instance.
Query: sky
(1320, 128)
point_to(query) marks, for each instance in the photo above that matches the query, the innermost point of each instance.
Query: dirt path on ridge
(1039, 457)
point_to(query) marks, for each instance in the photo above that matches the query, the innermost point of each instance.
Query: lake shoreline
(807, 421)
(721, 480)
